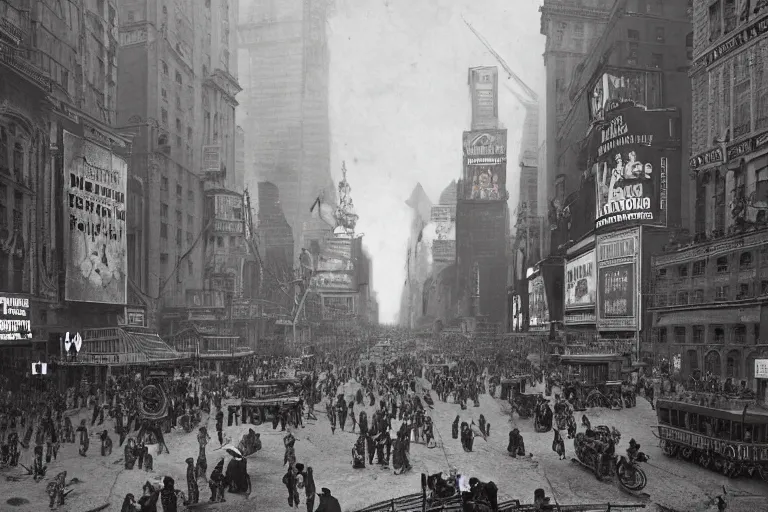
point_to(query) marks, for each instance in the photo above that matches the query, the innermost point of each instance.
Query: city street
(673, 484)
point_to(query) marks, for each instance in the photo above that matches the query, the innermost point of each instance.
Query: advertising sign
(618, 282)
(444, 250)
(442, 213)
(538, 311)
(485, 165)
(580, 281)
(14, 318)
(94, 223)
(630, 168)
(211, 159)
(484, 87)
(340, 248)
(329, 264)
(334, 281)
(761, 368)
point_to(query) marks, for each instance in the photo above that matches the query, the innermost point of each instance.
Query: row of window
(721, 265)
(679, 334)
(719, 293)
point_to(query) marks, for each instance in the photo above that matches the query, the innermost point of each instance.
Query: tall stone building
(284, 66)
(58, 97)
(571, 28)
(177, 100)
(711, 294)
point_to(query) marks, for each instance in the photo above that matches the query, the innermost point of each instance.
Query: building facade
(58, 146)
(284, 66)
(711, 295)
(631, 97)
(572, 27)
(177, 102)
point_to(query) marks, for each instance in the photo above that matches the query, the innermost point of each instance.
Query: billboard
(15, 323)
(444, 250)
(212, 159)
(340, 248)
(94, 223)
(618, 281)
(580, 281)
(484, 88)
(485, 165)
(630, 164)
(330, 264)
(538, 310)
(338, 281)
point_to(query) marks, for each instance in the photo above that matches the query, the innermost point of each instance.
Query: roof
(148, 344)
(590, 358)
(753, 415)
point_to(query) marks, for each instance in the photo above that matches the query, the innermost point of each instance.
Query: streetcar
(732, 441)
(593, 380)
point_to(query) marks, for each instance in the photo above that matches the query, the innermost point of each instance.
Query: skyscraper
(284, 65)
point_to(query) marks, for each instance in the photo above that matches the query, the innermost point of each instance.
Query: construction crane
(529, 100)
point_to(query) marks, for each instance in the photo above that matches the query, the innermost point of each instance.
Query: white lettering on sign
(619, 249)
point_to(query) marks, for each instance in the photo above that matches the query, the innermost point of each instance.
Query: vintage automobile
(731, 438)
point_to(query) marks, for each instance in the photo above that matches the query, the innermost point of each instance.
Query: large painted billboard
(484, 87)
(618, 281)
(630, 162)
(580, 281)
(94, 223)
(485, 165)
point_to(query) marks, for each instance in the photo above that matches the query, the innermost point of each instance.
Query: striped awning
(148, 344)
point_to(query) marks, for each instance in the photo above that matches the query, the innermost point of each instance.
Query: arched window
(712, 363)
(733, 364)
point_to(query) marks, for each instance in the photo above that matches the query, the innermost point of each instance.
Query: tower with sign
(482, 214)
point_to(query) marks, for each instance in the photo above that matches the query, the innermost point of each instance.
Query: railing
(601, 347)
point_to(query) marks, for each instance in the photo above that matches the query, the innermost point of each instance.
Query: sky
(399, 102)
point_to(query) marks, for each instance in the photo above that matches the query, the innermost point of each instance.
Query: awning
(148, 344)
(733, 315)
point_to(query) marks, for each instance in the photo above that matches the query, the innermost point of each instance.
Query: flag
(325, 212)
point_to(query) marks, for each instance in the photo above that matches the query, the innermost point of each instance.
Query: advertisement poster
(538, 311)
(94, 223)
(334, 281)
(340, 248)
(618, 282)
(330, 264)
(485, 165)
(484, 87)
(630, 168)
(580, 281)
(15, 323)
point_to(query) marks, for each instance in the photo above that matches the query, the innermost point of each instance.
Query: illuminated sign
(538, 310)
(14, 318)
(630, 163)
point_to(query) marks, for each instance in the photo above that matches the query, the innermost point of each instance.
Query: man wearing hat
(168, 496)
(193, 492)
(327, 502)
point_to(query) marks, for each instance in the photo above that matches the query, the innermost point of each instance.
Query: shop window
(682, 298)
(699, 268)
(682, 271)
(740, 334)
(722, 264)
(662, 335)
(698, 334)
(679, 335)
(719, 335)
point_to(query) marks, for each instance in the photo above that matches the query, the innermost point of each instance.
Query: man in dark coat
(327, 502)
